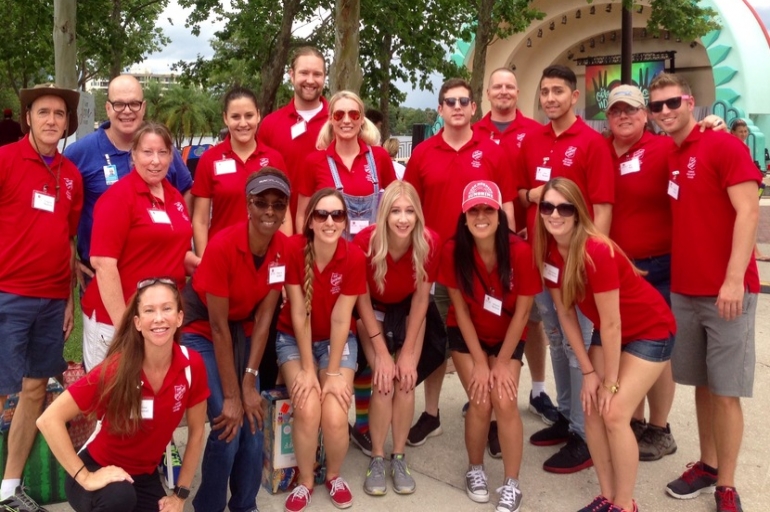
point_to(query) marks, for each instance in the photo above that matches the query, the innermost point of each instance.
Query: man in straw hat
(41, 195)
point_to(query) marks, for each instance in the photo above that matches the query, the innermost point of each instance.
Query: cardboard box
(279, 469)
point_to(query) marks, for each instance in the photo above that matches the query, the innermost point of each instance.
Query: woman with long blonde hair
(585, 269)
(402, 256)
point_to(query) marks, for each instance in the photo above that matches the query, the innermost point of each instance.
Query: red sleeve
(295, 260)
(199, 386)
(525, 275)
(354, 282)
(446, 272)
(307, 184)
(601, 173)
(602, 269)
(363, 238)
(385, 171)
(112, 219)
(202, 185)
(434, 256)
(412, 172)
(735, 165)
(211, 276)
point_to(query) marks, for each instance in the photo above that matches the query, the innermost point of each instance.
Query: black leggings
(141, 496)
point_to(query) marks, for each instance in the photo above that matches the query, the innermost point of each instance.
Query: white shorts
(96, 340)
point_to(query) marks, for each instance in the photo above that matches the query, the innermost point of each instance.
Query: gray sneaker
(20, 502)
(403, 483)
(375, 483)
(656, 442)
(476, 484)
(510, 496)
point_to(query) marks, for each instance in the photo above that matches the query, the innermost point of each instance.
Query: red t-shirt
(644, 313)
(227, 270)
(127, 227)
(276, 132)
(317, 174)
(344, 275)
(139, 454)
(641, 216)
(221, 176)
(580, 154)
(525, 280)
(703, 216)
(440, 174)
(35, 242)
(400, 276)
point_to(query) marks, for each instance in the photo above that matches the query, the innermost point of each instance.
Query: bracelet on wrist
(75, 477)
(372, 336)
(252, 371)
(526, 195)
(338, 374)
(589, 373)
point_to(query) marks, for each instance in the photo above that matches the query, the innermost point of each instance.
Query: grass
(73, 348)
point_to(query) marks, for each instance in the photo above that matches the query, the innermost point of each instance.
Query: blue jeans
(658, 270)
(240, 460)
(566, 370)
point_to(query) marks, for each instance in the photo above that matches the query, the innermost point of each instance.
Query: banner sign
(602, 78)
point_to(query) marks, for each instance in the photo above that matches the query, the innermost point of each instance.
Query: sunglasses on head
(451, 102)
(337, 215)
(144, 283)
(564, 209)
(261, 204)
(339, 115)
(672, 103)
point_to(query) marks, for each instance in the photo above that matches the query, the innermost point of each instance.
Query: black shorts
(457, 344)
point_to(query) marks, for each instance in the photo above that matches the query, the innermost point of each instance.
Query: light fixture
(613, 37)
(577, 14)
(513, 67)
(608, 8)
(570, 55)
(641, 8)
(529, 43)
(593, 9)
(564, 20)
(552, 25)
(592, 43)
(540, 32)
(582, 48)
(601, 39)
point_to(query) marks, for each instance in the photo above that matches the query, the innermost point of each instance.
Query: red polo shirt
(34, 242)
(140, 453)
(704, 218)
(525, 280)
(399, 277)
(225, 182)
(641, 216)
(356, 181)
(643, 311)
(275, 132)
(124, 229)
(227, 270)
(580, 153)
(440, 174)
(344, 275)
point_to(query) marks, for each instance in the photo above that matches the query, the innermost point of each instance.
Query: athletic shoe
(403, 483)
(573, 457)
(361, 439)
(20, 502)
(339, 492)
(615, 508)
(375, 484)
(638, 426)
(427, 426)
(465, 408)
(510, 496)
(493, 441)
(555, 434)
(599, 504)
(542, 406)
(476, 484)
(176, 461)
(727, 499)
(693, 481)
(656, 442)
(298, 499)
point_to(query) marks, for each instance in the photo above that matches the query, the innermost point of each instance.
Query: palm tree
(183, 111)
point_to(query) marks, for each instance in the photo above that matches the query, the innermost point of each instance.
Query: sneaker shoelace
(478, 478)
(25, 499)
(508, 494)
(377, 466)
(728, 500)
(300, 492)
(337, 484)
(399, 466)
(693, 472)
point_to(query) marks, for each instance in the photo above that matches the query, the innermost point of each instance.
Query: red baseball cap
(481, 192)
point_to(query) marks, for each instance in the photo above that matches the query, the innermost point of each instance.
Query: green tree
(26, 55)
(184, 112)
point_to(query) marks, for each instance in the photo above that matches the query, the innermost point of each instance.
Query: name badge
(551, 273)
(159, 216)
(357, 225)
(630, 166)
(496, 141)
(543, 174)
(276, 274)
(379, 315)
(110, 174)
(224, 167)
(345, 349)
(298, 129)
(147, 408)
(673, 189)
(493, 305)
(43, 201)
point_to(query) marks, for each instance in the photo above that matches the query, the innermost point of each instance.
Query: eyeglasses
(564, 209)
(261, 204)
(451, 102)
(120, 106)
(337, 215)
(144, 283)
(672, 103)
(618, 111)
(339, 115)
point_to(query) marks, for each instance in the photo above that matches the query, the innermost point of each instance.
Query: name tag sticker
(551, 273)
(357, 225)
(673, 189)
(276, 274)
(224, 167)
(147, 408)
(298, 129)
(43, 201)
(110, 174)
(630, 166)
(493, 305)
(379, 315)
(159, 216)
(543, 174)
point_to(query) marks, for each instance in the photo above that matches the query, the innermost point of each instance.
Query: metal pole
(626, 44)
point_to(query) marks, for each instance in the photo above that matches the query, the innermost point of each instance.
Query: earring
(249, 216)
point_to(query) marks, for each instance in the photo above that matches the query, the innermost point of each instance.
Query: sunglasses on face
(261, 204)
(451, 102)
(337, 215)
(672, 103)
(144, 283)
(339, 115)
(564, 209)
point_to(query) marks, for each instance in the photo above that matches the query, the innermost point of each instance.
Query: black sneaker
(361, 439)
(555, 434)
(599, 504)
(638, 426)
(465, 408)
(727, 499)
(427, 426)
(542, 406)
(20, 502)
(493, 441)
(573, 457)
(694, 480)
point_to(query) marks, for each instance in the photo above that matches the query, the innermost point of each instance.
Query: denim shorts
(457, 344)
(287, 350)
(655, 351)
